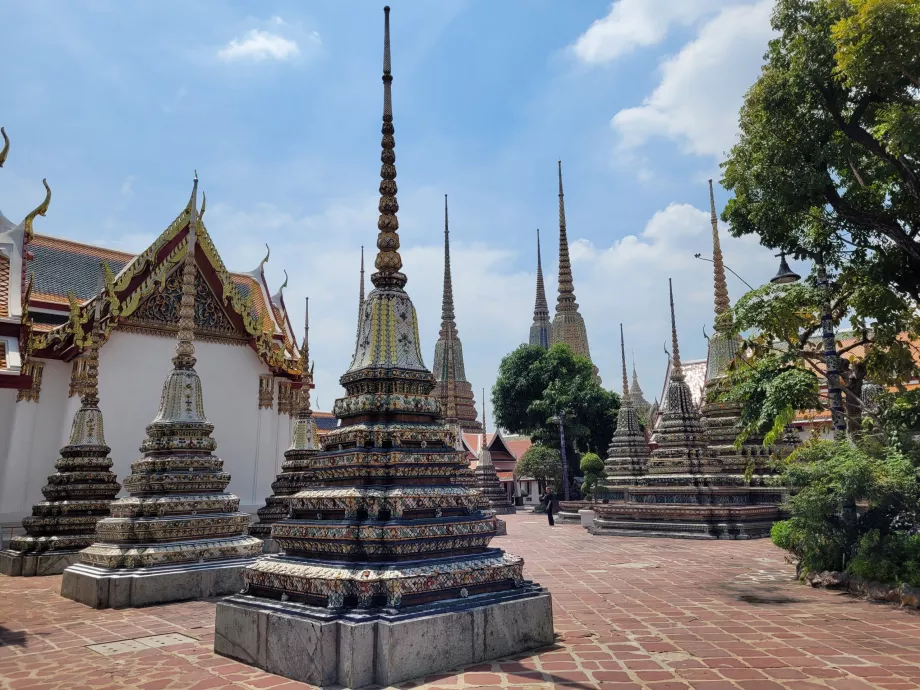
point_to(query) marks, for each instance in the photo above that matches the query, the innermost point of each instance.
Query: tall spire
(388, 260)
(485, 455)
(720, 287)
(540, 330)
(185, 348)
(676, 370)
(447, 299)
(361, 294)
(566, 299)
(626, 399)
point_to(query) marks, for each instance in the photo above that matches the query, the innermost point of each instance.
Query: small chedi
(386, 572)
(494, 497)
(688, 490)
(178, 535)
(295, 468)
(78, 495)
(451, 387)
(541, 331)
(628, 453)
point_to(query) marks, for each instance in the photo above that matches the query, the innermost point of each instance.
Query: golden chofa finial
(6, 147)
(388, 260)
(41, 210)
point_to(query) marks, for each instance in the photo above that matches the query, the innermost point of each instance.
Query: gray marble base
(130, 588)
(269, 545)
(15, 563)
(680, 530)
(316, 646)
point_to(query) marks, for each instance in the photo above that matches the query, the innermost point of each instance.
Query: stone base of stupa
(685, 521)
(269, 545)
(103, 588)
(357, 648)
(568, 512)
(16, 563)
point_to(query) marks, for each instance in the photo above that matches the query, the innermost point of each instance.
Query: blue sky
(277, 105)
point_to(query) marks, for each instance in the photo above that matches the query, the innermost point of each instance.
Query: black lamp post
(831, 360)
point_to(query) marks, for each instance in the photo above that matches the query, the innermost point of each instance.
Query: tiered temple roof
(15, 370)
(541, 332)
(568, 323)
(451, 387)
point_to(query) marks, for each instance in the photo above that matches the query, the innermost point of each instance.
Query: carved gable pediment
(160, 311)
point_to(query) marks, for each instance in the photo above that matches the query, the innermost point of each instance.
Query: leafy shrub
(593, 469)
(891, 558)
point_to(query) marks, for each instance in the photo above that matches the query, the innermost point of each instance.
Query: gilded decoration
(161, 309)
(266, 392)
(285, 398)
(34, 369)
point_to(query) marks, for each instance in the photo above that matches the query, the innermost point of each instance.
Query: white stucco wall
(132, 369)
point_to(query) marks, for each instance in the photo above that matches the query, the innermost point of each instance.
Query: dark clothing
(549, 499)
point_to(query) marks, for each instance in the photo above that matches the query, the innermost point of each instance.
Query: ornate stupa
(541, 332)
(642, 406)
(386, 572)
(721, 419)
(684, 492)
(78, 495)
(494, 497)
(295, 468)
(451, 386)
(628, 454)
(178, 535)
(568, 323)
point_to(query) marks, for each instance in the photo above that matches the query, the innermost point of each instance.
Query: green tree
(542, 464)
(592, 467)
(534, 385)
(826, 168)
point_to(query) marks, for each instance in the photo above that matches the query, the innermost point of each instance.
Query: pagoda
(386, 572)
(178, 535)
(494, 497)
(685, 492)
(541, 331)
(78, 495)
(640, 404)
(295, 468)
(628, 453)
(451, 387)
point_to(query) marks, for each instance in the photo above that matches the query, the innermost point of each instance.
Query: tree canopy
(542, 464)
(826, 168)
(535, 384)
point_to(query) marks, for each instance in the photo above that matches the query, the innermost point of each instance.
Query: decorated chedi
(178, 535)
(541, 332)
(494, 497)
(628, 453)
(295, 468)
(684, 493)
(386, 572)
(721, 420)
(78, 495)
(451, 386)
(642, 406)
(568, 323)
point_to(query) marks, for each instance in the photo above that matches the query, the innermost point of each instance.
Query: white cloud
(258, 45)
(127, 187)
(702, 88)
(631, 24)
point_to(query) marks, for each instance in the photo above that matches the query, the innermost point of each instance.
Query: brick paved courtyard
(629, 613)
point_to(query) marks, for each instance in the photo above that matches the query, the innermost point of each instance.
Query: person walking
(549, 498)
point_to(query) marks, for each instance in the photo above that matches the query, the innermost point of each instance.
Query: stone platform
(16, 563)
(354, 649)
(102, 588)
(685, 521)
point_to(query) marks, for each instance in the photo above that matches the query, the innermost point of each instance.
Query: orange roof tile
(2, 355)
(4, 286)
(101, 253)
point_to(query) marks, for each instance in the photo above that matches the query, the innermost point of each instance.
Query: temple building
(568, 323)
(541, 332)
(386, 573)
(504, 450)
(451, 387)
(47, 301)
(178, 535)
